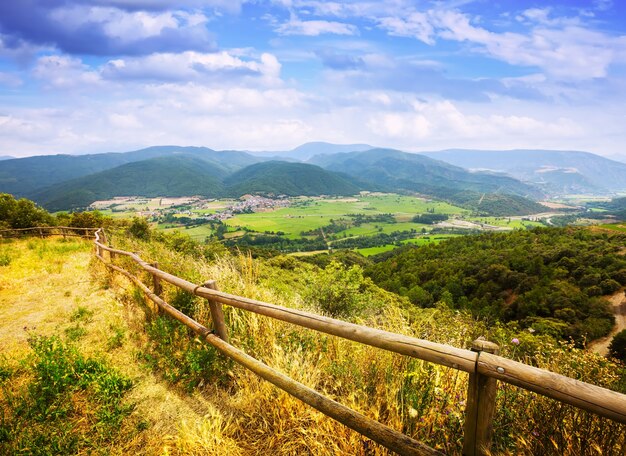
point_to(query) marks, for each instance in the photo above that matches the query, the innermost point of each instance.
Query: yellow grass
(245, 415)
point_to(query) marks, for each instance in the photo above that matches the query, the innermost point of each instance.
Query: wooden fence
(43, 231)
(482, 362)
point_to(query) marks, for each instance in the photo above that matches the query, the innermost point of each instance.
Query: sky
(85, 76)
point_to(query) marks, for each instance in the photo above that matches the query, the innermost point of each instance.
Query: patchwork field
(366, 215)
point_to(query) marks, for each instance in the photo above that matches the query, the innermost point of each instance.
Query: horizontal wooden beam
(384, 435)
(445, 355)
(592, 398)
(588, 397)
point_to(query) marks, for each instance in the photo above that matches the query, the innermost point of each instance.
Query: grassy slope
(244, 415)
(50, 288)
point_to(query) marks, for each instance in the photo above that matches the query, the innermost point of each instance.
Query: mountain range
(496, 179)
(555, 172)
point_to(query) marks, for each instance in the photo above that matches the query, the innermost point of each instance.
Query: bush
(617, 349)
(140, 228)
(338, 290)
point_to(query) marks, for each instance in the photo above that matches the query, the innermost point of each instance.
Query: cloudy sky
(81, 76)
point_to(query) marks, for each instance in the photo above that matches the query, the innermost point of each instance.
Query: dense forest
(549, 279)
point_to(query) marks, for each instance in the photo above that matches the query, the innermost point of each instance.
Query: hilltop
(182, 395)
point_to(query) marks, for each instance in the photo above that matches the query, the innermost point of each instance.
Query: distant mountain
(310, 149)
(161, 176)
(6, 157)
(293, 179)
(27, 176)
(556, 172)
(394, 170)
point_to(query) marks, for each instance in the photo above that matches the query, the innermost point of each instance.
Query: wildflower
(412, 412)
(515, 341)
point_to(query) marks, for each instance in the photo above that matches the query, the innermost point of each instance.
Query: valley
(386, 219)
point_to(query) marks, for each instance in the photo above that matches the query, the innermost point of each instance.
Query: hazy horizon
(80, 76)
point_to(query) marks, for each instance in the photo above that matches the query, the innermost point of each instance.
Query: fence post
(217, 313)
(158, 288)
(481, 403)
(40, 233)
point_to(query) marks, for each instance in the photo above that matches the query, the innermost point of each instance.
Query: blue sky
(81, 76)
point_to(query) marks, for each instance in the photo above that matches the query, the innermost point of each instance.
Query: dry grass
(239, 414)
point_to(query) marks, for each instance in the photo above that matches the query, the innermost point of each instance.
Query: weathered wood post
(481, 403)
(63, 233)
(158, 288)
(103, 240)
(217, 313)
(40, 233)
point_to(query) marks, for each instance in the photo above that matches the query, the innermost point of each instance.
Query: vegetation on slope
(423, 400)
(25, 176)
(292, 179)
(549, 279)
(190, 400)
(171, 176)
(395, 170)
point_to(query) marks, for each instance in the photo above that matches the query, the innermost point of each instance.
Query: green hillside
(547, 279)
(27, 176)
(292, 179)
(171, 176)
(395, 170)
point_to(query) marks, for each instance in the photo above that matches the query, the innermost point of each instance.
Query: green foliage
(293, 179)
(548, 279)
(171, 176)
(21, 213)
(81, 314)
(178, 357)
(430, 219)
(5, 258)
(39, 418)
(617, 349)
(87, 219)
(140, 228)
(338, 291)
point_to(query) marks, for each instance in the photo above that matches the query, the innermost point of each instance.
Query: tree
(617, 349)
(22, 213)
(338, 290)
(140, 228)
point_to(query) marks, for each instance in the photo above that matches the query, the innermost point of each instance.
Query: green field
(313, 213)
(422, 240)
(506, 222)
(621, 227)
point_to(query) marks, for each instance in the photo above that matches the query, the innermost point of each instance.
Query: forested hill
(184, 175)
(549, 279)
(291, 179)
(394, 170)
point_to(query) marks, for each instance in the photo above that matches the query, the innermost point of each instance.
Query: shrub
(617, 349)
(140, 228)
(337, 290)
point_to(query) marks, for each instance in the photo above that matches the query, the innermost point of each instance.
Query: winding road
(618, 301)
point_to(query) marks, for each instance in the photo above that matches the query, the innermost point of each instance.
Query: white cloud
(417, 25)
(562, 47)
(222, 67)
(314, 28)
(64, 72)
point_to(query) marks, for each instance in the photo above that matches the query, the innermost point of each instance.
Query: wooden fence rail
(43, 231)
(482, 362)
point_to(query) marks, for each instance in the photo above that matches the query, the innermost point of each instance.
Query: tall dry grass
(426, 401)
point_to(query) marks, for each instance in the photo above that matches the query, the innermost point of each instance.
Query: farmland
(369, 222)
